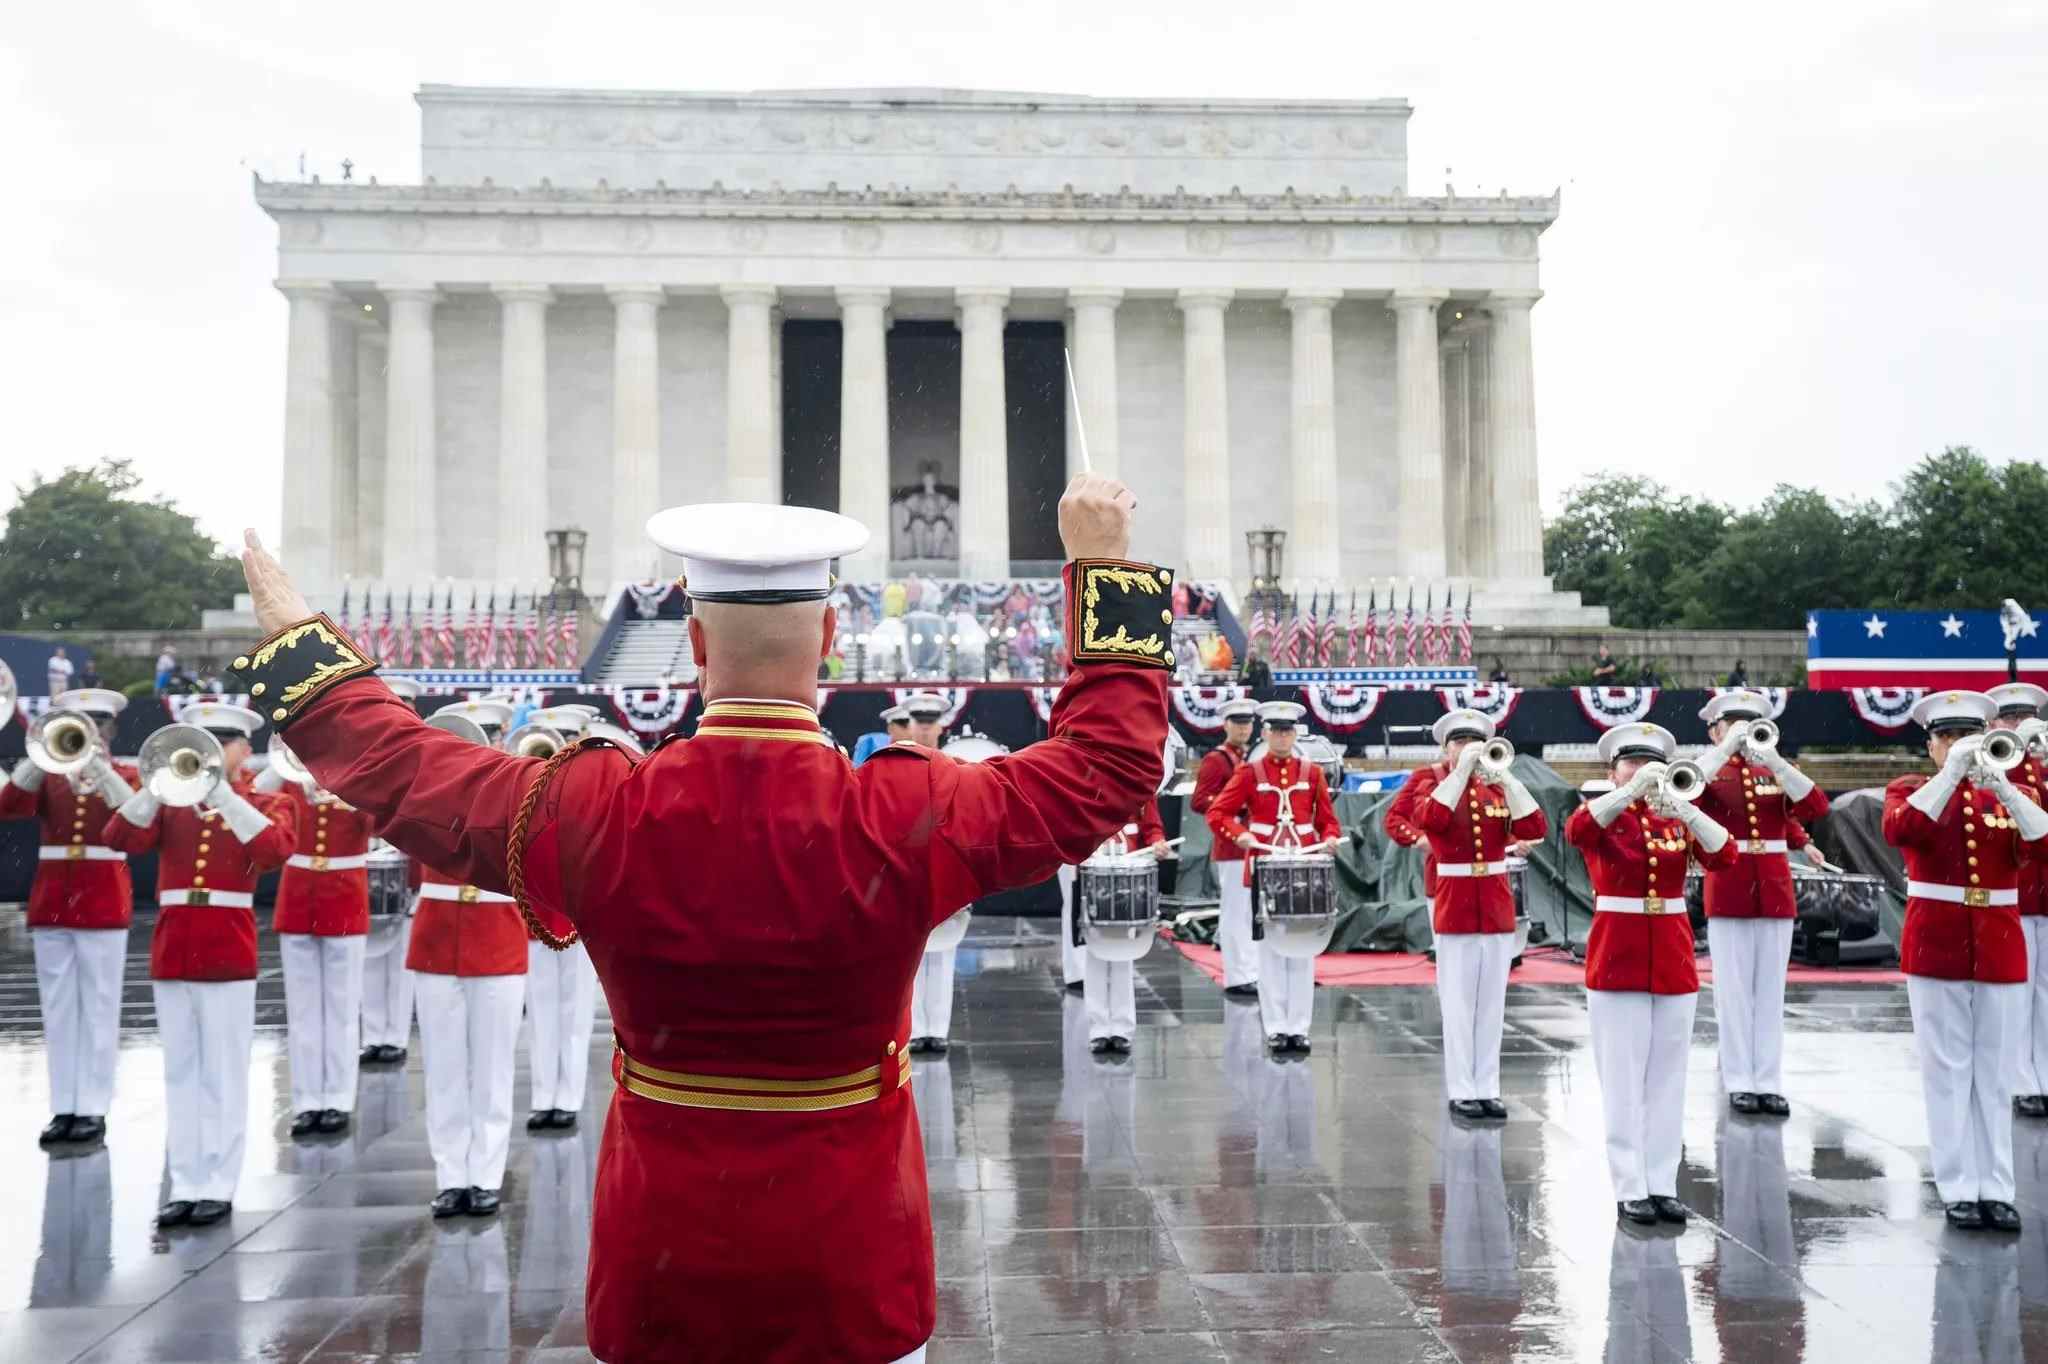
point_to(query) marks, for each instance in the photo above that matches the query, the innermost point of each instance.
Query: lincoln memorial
(598, 303)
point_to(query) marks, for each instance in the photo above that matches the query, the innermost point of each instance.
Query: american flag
(547, 632)
(532, 628)
(472, 637)
(1301, 636)
(1465, 630)
(1366, 647)
(1429, 625)
(448, 627)
(487, 634)
(1408, 625)
(1333, 633)
(405, 637)
(387, 638)
(424, 641)
(1265, 629)
(344, 607)
(569, 624)
(1351, 635)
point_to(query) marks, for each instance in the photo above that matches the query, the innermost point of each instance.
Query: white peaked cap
(896, 715)
(1741, 701)
(573, 717)
(1243, 708)
(753, 553)
(2008, 695)
(1282, 712)
(1638, 741)
(484, 711)
(1955, 710)
(92, 700)
(1461, 722)
(924, 703)
(215, 715)
(403, 686)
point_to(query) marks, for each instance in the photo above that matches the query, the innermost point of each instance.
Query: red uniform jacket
(1478, 831)
(1641, 855)
(1251, 802)
(2033, 872)
(1972, 845)
(1401, 826)
(1745, 799)
(80, 891)
(197, 852)
(1219, 764)
(756, 908)
(480, 934)
(323, 901)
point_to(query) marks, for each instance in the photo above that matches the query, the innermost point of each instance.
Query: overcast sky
(1799, 241)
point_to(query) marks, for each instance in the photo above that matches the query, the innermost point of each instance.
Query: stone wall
(1683, 658)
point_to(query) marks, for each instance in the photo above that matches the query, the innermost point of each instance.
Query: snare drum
(1296, 895)
(1117, 897)
(390, 875)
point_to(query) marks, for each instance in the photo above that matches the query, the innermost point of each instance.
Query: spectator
(1499, 677)
(1649, 677)
(1738, 677)
(1257, 675)
(60, 672)
(1604, 670)
(166, 668)
(89, 677)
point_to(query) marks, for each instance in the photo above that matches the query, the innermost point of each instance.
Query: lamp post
(565, 559)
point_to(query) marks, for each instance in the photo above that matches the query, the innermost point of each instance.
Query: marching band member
(202, 959)
(2018, 703)
(1234, 921)
(1756, 794)
(468, 959)
(1110, 989)
(561, 990)
(1279, 800)
(735, 1178)
(895, 730)
(931, 994)
(78, 915)
(322, 922)
(1642, 985)
(1473, 819)
(387, 983)
(1965, 833)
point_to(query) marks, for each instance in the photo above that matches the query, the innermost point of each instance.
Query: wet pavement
(1196, 1201)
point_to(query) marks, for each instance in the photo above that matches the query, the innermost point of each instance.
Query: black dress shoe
(917, 1045)
(935, 1045)
(2030, 1105)
(394, 1056)
(1075, 987)
(1966, 1216)
(1242, 991)
(1276, 1042)
(1743, 1103)
(537, 1119)
(1098, 1045)
(175, 1213)
(2000, 1216)
(482, 1202)
(1494, 1108)
(450, 1203)
(1300, 1044)
(561, 1118)
(1640, 1211)
(87, 1129)
(55, 1130)
(333, 1120)
(1468, 1108)
(1120, 1045)
(370, 1056)
(1776, 1105)
(207, 1211)
(306, 1123)
(1670, 1209)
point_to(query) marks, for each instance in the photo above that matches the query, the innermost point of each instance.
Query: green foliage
(1956, 532)
(82, 552)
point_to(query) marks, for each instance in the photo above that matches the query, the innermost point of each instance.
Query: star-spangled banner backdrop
(1879, 648)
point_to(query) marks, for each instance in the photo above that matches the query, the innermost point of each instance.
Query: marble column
(984, 528)
(411, 485)
(1511, 389)
(309, 434)
(1419, 442)
(636, 430)
(344, 511)
(1457, 453)
(1205, 434)
(753, 473)
(522, 431)
(1314, 545)
(864, 426)
(1094, 335)
(1479, 557)
(373, 365)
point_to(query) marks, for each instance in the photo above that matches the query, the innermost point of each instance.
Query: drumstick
(1080, 431)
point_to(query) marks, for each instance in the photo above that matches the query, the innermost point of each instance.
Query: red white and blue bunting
(1342, 707)
(1885, 709)
(1495, 703)
(954, 697)
(652, 712)
(1774, 695)
(1201, 708)
(1607, 707)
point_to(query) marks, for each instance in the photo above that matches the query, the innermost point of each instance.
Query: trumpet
(1497, 757)
(2033, 733)
(1761, 737)
(63, 742)
(534, 740)
(1681, 783)
(181, 764)
(286, 764)
(2001, 751)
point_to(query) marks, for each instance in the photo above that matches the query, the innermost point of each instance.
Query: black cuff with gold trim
(286, 671)
(1120, 612)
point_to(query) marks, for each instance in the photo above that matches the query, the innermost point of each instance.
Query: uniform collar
(744, 717)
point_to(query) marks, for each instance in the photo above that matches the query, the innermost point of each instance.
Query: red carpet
(1540, 966)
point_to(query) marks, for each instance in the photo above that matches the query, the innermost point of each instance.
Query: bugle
(533, 740)
(181, 764)
(1761, 737)
(63, 742)
(286, 764)
(1497, 757)
(1682, 783)
(2001, 751)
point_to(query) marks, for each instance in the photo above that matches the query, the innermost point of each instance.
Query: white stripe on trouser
(1287, 991)
(1966, 1033)
(1072, 958)
(2032, 1072)
(323, 997)
(561, 1011)
(931, 995)
(1749, 1001)
(387, 984)
(1241, 958)
(1471, 991)
(1111, 991)
(1639, 1049)
(205, 1027)
(78, 981)
(469, 1034)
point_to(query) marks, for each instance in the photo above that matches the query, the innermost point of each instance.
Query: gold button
(891, 1051)
(199, 880)
(256, 690)
(1166, 617)
(1973, 861)
(199, 862)
(279, 714)
(78, 838)
(1971, 844)
(78, 823)
(1969, 828)
(242, 662)
(1973, 878)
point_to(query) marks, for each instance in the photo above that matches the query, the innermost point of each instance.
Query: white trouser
(1241, 956)
(1749, 1001)
(931, 997)
(1646, 1302)
(1287, 991)
(1244, 1053)
(467, 1302)
(1286, 1135)
(561, 1011)
(1072, 967)
(469, 1032)
(387, 984)
(205, 1027)
(1479, 1255)
(2033, 1042)
(1756, 1211)
(1111, 992)
(75, 1254)
(554, 1240)
(1639, 1049)
(323, 995)
(1472, 992)
(1966, 1032)
(914, 1357)
(78, 980)
(931, 1087)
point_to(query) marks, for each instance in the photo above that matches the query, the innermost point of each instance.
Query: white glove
(2031, 818)
(1520, 803)
(140, 809)
(239, 815)
(107, 783)
(1961, 755)
(1791, 780)
(1719, 756)
(27, 775)
(267, 781)
(1706, 830)
(1606, 809)
(1451, 789)
(1932, 796)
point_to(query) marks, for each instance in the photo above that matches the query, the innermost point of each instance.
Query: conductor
(755, 908)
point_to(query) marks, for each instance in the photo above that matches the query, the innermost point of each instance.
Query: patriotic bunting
(1342, 707)
(652, 712)
(1495, 703)
(1885, 709)
(1607, 707)
(1201, 708)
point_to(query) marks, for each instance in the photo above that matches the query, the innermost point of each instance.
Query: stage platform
(1195, 1202)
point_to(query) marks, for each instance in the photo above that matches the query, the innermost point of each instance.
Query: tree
(1968, 534)
(1795, 552)
(81, 552)
(1624, 540)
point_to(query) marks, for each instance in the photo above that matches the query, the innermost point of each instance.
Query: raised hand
(1095, 518)
(277, 602)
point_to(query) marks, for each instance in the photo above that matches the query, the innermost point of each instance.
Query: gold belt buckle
(199, 898)
(1754, 845)
(1479, 866)
(1976, 897)
(468, 895)
(74, 852)
(320, 864)
(1653, 904)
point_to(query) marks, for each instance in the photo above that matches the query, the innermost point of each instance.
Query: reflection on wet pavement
(1194, 1201)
